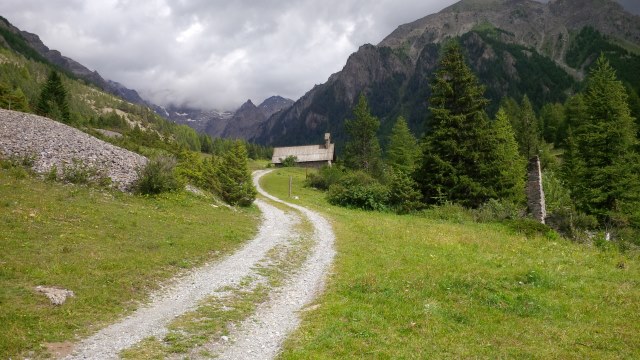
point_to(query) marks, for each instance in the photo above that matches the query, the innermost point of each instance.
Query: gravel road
(260, 336)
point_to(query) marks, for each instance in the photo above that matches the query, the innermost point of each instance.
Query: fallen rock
(57, 295)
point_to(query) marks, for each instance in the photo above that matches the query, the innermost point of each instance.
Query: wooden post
(290, 184)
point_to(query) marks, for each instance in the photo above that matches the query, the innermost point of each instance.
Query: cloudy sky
(214, 54)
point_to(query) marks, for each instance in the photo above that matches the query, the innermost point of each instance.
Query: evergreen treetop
(362, 150)
(609, 181)
(458, 151)
(403, 150)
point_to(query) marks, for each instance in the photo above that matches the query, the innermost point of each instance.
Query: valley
(483, 199)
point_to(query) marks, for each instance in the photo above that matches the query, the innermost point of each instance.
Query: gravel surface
(53, 143)
(261, 335)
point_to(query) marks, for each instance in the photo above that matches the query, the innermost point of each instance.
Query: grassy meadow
(421, 287)
(111, 249)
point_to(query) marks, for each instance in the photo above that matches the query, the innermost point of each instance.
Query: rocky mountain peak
(274, 104)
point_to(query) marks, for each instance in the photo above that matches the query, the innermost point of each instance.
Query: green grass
(111, 249)
(412, 287)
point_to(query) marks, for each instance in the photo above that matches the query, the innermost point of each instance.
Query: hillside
(516, 48)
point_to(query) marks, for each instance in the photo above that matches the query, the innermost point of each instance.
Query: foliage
(53, 101)
(80, 173)
(460, 161)
(509, 183)
(553, 122)
(526, 129)
(359, 190)
(362, 150)
(607, 183)
(403, 150)
(158, 176)
(556, 194)
(325, 177)
(13, 99)
(198, 170)
(496, 210)
(404, 196)
(236, 185)
(290, 161)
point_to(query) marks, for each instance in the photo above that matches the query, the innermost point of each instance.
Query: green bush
(449, 212)
(529, 227)
(289, 161)
(79, 173)
(325, 177)
(571, 223)
(404, 195)
(158, 176)
(359, 190)
(498, 210)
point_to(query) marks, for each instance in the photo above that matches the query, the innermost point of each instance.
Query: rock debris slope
(51, 143)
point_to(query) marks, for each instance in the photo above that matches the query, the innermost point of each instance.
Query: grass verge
(415, 287)
(110, 248)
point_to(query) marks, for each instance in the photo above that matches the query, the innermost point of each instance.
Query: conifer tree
(236, 186)
(526, 129)
(458, 153)
(609, 183)
(362, 150)
(53, 100)
(552, 119)
(403, 150)
(510, 177)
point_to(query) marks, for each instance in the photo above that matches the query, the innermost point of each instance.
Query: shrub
(449, 212)
(529, 227)
(572, 224)
(325, 177)
(158, 176)
(359, 190)
(79, 173)
(404, 196)
(52, 175)
(289, 161)
(498, 210)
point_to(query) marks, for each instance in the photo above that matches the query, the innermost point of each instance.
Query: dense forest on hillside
(473, 158)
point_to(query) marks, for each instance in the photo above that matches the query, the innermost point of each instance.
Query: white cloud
(213, 54)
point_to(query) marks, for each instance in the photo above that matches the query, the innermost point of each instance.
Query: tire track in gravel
(262, 334)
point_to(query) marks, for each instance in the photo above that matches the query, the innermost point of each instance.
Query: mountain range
(516, 47)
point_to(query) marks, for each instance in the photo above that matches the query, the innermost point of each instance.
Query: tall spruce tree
(509, 182)
(403, 150)
(362, 150)
(236, 186)
(609, 182)
(526, 129)
(53, 100)
(459, 154)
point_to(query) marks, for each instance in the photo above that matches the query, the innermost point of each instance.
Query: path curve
(260, 336)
